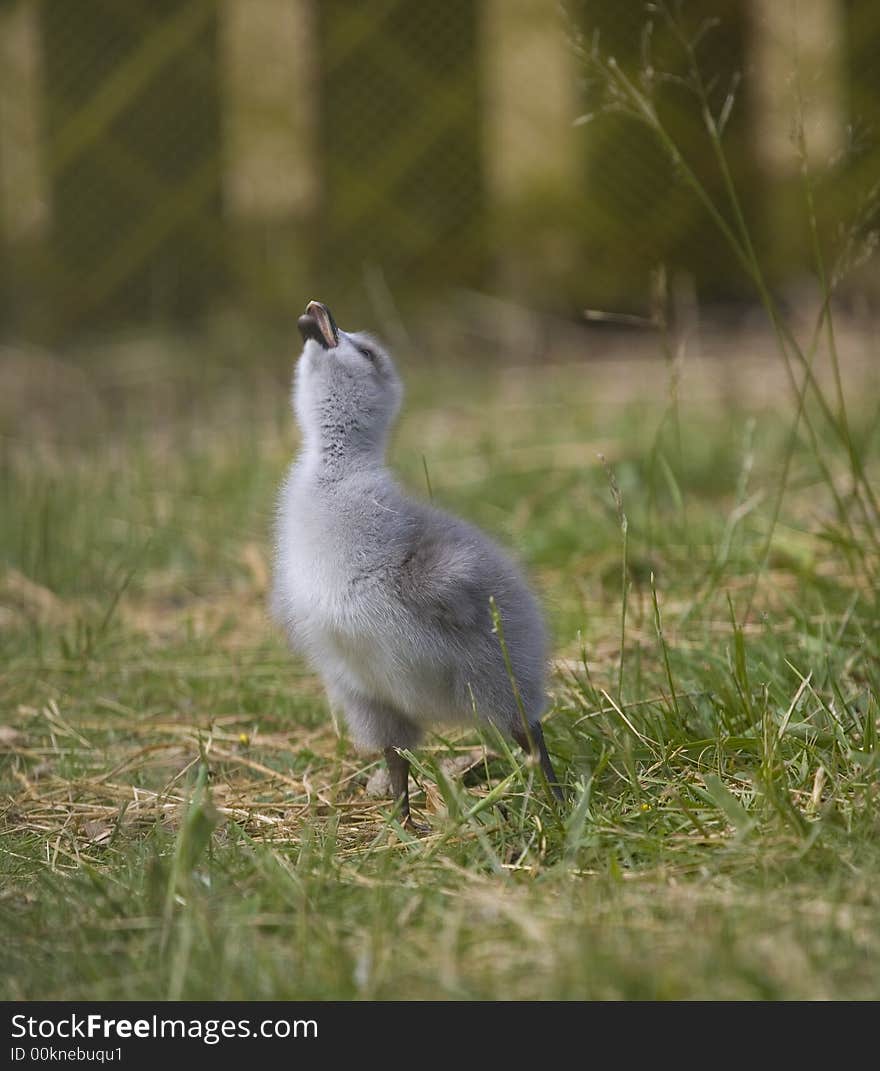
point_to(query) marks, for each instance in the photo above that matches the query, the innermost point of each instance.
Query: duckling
(387, 597)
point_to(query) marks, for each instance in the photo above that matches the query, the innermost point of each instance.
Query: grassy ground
(180, 819)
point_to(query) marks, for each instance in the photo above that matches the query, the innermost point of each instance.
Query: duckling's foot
(418, 829)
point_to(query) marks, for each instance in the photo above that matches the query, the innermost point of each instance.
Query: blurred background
(177, 163)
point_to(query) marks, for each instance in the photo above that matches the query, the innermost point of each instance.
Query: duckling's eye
(365, 351)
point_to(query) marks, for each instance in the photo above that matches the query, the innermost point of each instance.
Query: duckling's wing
(449, 573)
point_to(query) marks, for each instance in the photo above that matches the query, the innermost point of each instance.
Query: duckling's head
(346, 389)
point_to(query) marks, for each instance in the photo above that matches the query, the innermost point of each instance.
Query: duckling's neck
(333, 453)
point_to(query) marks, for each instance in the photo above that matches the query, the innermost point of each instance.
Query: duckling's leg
(398, 768)
(375, 726)
(532, 743)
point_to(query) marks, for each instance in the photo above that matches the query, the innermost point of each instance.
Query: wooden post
(24, 199)
(270, 178)
(531, 145)
(795, 52)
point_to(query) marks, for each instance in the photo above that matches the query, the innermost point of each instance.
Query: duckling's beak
(317, 323)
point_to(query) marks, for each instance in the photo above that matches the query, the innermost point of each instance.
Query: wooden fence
(162, 158)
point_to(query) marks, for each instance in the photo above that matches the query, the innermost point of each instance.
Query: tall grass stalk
(624, 568)
(498, 629)
(636, 101)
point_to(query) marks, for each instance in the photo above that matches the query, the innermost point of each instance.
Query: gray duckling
(385, 596)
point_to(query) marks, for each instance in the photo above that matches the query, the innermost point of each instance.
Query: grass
(181, 820)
